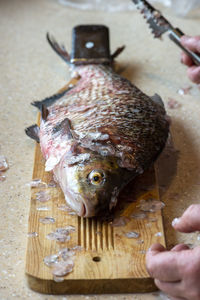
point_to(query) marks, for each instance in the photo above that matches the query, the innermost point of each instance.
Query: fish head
(91, 187)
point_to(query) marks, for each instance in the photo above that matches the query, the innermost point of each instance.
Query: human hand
(193, 44)
(177, 272)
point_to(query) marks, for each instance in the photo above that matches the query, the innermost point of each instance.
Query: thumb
(189, 221)
(180, 247)
(191, 43)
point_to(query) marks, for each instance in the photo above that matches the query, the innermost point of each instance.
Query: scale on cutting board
(111, 258)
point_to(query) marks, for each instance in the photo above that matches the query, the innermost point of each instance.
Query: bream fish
(100, 133)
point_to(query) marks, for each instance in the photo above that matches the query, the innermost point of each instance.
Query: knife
(160, 25)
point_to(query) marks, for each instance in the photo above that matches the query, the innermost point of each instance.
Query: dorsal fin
(117, 52)
(44, 112)
(49, 100)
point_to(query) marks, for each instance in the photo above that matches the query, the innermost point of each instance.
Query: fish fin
(44, 112)
(117, 52)
(49, 100)
(33, 132)
(64, 127)
(59, 49)
(157, 99)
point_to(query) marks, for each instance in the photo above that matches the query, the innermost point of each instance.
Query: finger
(157, 247)
(171, 288)
(194, 74)
(191, 43)
(163, 264)
(189, 221)
(185, 59)
(180, 247)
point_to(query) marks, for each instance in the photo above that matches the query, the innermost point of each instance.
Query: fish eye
(96, 177)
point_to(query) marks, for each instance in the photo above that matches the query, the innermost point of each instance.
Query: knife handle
(175, 35)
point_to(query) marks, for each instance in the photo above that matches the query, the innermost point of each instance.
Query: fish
(100, 133)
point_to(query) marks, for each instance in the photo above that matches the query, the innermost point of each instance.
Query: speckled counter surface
(31, 71)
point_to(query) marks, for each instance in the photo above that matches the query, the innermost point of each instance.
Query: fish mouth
(76, 202)
(83, 210)
(86, 211)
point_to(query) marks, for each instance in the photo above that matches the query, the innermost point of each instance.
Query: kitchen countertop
(30, 70)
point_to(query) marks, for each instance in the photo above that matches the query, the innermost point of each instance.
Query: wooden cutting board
(109, 261)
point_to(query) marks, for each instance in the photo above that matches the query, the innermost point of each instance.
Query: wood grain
(121, 265)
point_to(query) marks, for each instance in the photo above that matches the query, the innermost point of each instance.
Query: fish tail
(59, 49)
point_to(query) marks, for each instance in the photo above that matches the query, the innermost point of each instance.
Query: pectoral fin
(64, 128)
(33, 132)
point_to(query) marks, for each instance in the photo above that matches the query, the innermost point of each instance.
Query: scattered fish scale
(76, 159)
(70, 228)
(32, 234)
(62, 268)
(65, 207)
(3, 167)
(43, 208)
(158, 234)
(58, 279)
(3, 163)
(61, 263)
(65, 253)
(50, 260)
(77, 248)
(47, 220)
(184, 91)
(43, 196)
(2, 177)
(120, 221)
(151, 205)
(132, 235)
(37, 183)
(172, 103)
(61, 234)
(72, 213)
(139, 216)
(59, 237)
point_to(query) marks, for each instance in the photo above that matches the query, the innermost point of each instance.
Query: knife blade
(159, 25)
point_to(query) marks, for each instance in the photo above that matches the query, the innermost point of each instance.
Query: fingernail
(175, 221)
(149, 250)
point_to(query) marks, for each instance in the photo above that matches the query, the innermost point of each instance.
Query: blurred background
(180, 7)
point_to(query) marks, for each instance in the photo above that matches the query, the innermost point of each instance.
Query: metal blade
(156, 21)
